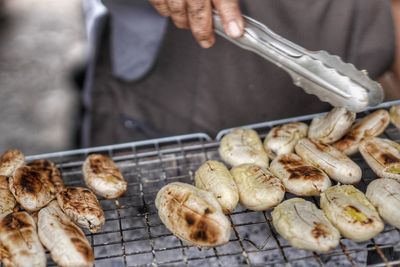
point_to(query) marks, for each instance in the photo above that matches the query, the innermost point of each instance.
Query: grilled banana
(351, 213)
(304, 225)
(332, 126)
(371, 125)
(20, 241)
(214, 177)
(66, 242)
(193, 215)
(258, 188)
(282, 139)
(10, 161)
(7, 200)
(383, 156)
(299, 177)
(49, 170)
(82, 206)
(243, 146)
(384, 194)
(395, 115)
(337, 165)
(32, 189)
(103, 177)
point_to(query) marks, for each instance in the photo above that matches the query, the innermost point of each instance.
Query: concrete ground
(41, 42)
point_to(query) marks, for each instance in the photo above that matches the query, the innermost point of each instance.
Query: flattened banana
(299, 177)
(383, 156)
(48, 169)
(384, 194)
(304, 225)
(103, 177)
(258, 188)
(7, 200)
(214, 177)
(32, 189)
(10, 161)
(332, 126)
(66, 242)
(20, 241)
(395, 115)
(282, 139)
(82, 206)
(371, 125)
(351, 213)
(193, 215)
(337, 165)
(243, 146)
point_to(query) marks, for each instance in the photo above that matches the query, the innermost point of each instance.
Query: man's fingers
(177, 9)
(200, 19)
(161, 7)
(231, 16)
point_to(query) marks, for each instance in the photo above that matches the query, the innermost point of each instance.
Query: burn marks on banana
(28, 180)
(319, 230)
(200, 227)
(15, 221)
(48, 171)
(383, 157)
(10, 156)
(103, 166)
(299, 170)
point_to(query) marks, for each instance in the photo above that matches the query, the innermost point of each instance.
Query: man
(150, 79)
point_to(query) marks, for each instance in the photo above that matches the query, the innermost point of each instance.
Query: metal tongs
(317, 72)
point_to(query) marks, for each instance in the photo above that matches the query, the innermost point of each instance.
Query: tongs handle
(318, 73)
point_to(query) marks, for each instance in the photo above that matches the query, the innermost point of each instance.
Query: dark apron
(190, 89)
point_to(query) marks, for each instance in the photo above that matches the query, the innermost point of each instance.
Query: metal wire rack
(133, 234)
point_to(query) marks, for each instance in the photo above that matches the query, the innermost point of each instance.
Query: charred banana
(299, 177)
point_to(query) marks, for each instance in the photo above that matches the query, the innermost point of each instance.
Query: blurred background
(40, 54)
(43, 50)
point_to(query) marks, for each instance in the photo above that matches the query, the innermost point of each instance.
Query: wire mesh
(133, 234)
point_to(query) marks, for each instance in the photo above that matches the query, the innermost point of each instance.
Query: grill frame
(133, 234)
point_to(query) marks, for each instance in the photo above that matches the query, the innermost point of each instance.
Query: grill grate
(134, 235)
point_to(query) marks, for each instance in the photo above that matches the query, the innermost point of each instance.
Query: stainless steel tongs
(317, 72)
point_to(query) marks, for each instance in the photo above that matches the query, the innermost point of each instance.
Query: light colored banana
(48, 169)
(337, 165)
(103, 177)
(243, 146)
(371, 125)
(351, 213)
(193, 215)
(331, 127)
(298, 177)
(82, 206)
(66, 242)
(10, 161)
(282, 139)
(304, 225)
(383, 156)
(384, 194)
(258, 188)
(395, 115)
(20, 242)
(7, 200)
(214, 177)
(32, 189)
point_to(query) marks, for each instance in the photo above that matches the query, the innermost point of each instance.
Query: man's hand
(196, 15)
